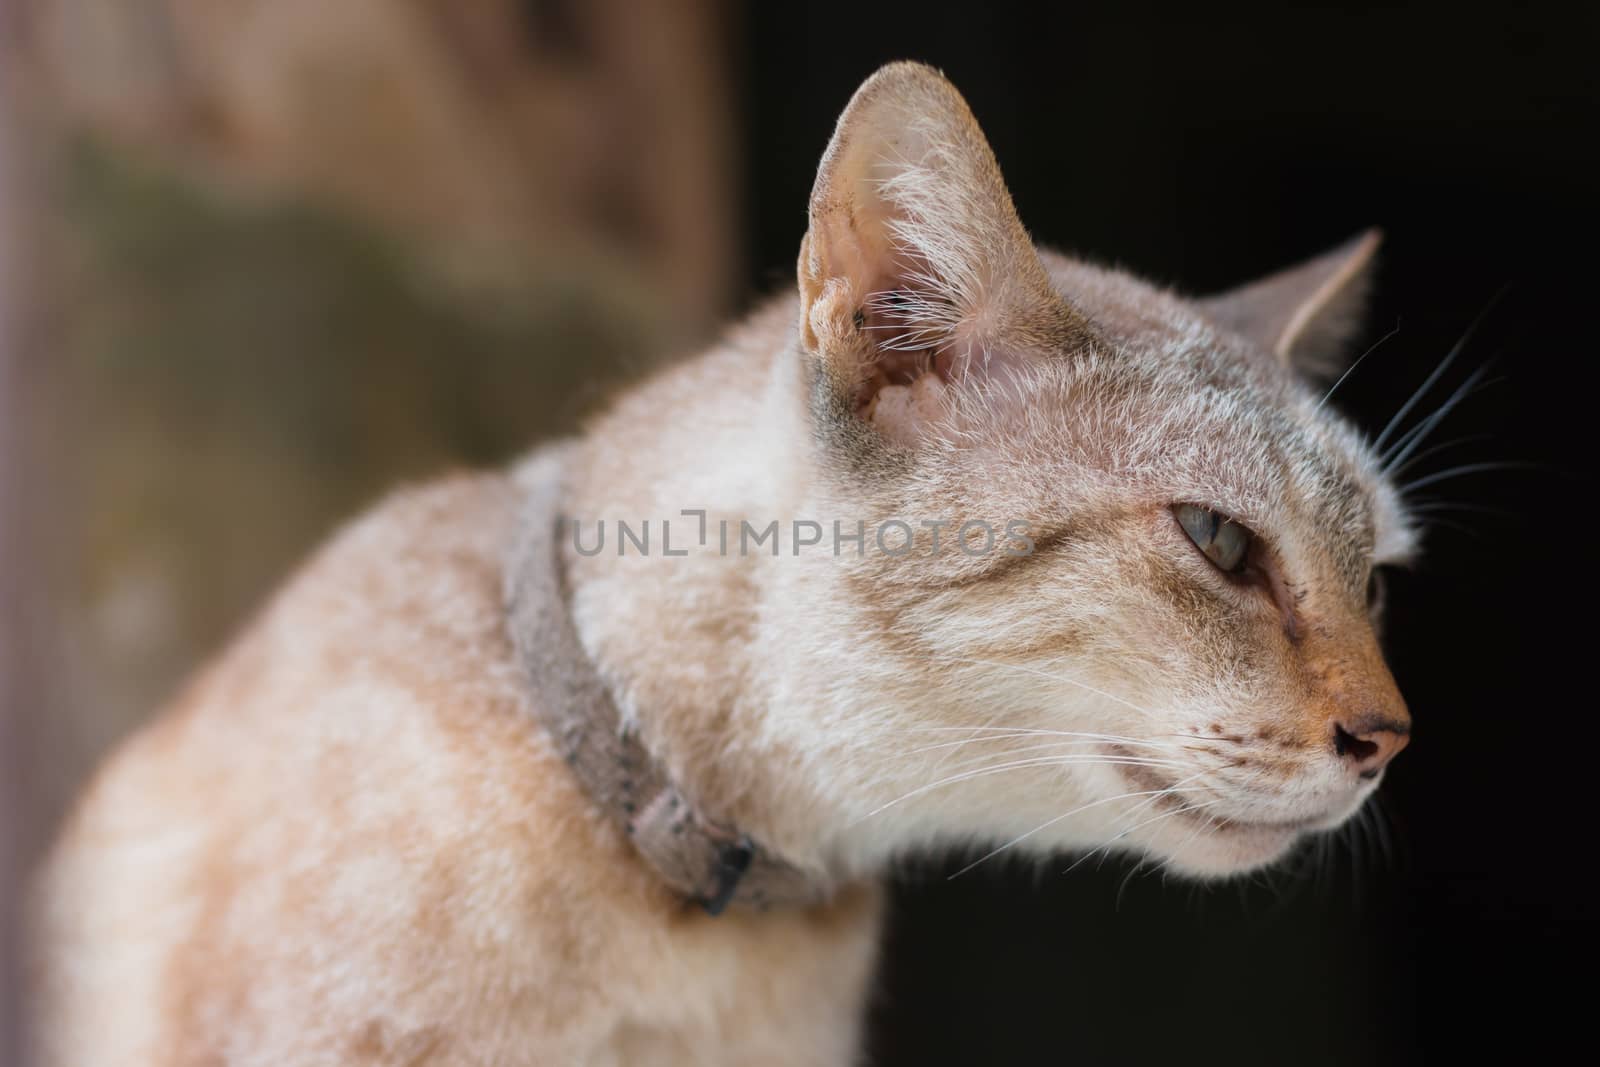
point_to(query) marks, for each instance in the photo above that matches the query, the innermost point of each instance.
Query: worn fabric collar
(711, 864)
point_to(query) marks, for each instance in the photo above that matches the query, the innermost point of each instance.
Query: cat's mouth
(1168, 797)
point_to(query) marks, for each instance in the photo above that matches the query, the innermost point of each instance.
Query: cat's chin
(1218, 848)
(1200, 843)
(1226, 849)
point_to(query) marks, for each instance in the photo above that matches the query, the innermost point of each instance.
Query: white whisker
(1154, 794)
(1185, 810)
(1046, 746)
(1056, 678)
(1466, 468)
(1352, 368)
(1037, 761)
(1066, 736)
(1414, 437)
(1438, 372)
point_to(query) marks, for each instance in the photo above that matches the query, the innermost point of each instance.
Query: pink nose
(1368, 744)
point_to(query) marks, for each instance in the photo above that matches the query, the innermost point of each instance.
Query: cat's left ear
(916, 271)
(1305, 315)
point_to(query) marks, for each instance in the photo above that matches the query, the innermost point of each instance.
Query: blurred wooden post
(14, 697)
(290, 253)
(495, 129)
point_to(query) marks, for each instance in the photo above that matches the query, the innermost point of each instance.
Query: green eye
(1224, 542)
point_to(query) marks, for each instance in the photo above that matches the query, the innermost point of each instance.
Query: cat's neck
(683, 629)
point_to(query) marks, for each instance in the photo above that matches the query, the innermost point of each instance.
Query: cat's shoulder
(360, 774)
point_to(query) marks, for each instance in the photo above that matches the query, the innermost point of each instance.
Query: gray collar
(711, 864)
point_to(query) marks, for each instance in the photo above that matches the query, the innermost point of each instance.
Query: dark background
(1202, 147)
(420, 235)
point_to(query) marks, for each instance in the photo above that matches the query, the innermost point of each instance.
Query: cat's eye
(1222, 541)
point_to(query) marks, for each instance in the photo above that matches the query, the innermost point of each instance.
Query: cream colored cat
(391, 825)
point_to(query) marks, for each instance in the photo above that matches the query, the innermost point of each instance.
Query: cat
(603, 759)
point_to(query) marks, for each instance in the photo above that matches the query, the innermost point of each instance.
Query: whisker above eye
(1438, 371)
(1458, 527)
(1414, 437)
(1442, 447)
(1353, 365)
(1467, 468)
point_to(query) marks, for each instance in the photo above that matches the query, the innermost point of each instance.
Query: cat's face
(1185, 664)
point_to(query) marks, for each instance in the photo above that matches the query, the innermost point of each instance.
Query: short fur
(349, 841)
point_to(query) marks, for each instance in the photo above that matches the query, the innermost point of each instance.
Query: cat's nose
(1368, 744)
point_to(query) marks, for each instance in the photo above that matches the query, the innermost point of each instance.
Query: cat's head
(1185, 664)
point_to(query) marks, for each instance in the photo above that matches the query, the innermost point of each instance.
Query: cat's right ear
(1307, 314)
(916, 273)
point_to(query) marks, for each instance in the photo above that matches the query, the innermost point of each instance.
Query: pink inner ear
(922, 348)
(907, 341)
(916, 330)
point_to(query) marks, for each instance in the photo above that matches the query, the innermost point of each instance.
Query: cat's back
(349, 841)
(316, 824)
(350, 768)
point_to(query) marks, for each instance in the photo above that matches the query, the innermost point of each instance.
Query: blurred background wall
(283, 254)
(267, 258)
